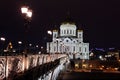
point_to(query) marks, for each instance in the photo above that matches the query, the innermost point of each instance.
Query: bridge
(32, 67)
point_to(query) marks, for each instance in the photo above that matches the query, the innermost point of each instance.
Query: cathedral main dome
(68, 22)
(68, 27)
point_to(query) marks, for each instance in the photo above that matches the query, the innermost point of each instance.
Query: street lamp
(24, 9)
(3, 40)
(27, 14)
(50, 33)
(19, 42)
(42, 49)
(37, 48)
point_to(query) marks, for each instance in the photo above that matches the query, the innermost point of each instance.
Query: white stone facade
(69, 40)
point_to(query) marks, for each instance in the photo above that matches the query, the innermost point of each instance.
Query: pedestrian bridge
(32, 67)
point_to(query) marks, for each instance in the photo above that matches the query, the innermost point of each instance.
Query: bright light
(14, 50)
(39, 52)
(5, 50)
(76, 65)
(84, 65)
(30, 44)
(100, 57)
(91, 65)
(37, 46)
(91, 54)
(2, 39)
(116, 69)
(49, 32)
(119, 60)
(102, 66)
(24, 9)
(41, 47)
(19, 42)
(29, 14)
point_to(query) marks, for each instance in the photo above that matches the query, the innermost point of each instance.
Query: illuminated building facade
(69, 40)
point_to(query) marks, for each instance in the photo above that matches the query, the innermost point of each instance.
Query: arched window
(54, 48)
(64, 32)
(55, 35)
(70, 31)
(85, 49)
(73, 48)
(80, 49)
(79, 35)
(67, 31)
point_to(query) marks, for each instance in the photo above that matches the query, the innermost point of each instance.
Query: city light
(29, 13)
(37, 46)
(41, 47)
(19, 42)
(2, 39)
(49, 32)
(24, 9)
(30, 44)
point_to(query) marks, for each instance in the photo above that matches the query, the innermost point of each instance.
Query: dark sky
(100, 20)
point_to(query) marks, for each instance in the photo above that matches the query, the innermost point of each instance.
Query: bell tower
(55, 34)
(80, 35)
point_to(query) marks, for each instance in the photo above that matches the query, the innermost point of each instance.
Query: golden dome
(79, 30)
(55, 30)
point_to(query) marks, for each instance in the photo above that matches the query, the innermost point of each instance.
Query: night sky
(100, 20)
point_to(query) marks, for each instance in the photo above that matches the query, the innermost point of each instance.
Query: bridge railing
(10, 65)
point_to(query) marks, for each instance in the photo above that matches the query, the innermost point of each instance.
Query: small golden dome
(79, 30)
(55, 30)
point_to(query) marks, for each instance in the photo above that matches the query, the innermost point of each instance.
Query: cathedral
(69, 40)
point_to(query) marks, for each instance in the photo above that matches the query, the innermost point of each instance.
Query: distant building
(112, 55)
(69, 40)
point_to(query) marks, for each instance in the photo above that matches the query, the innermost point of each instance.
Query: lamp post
(50, 33)
(3, 40)
(27, 14)
(37, 48)
(19, 42)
